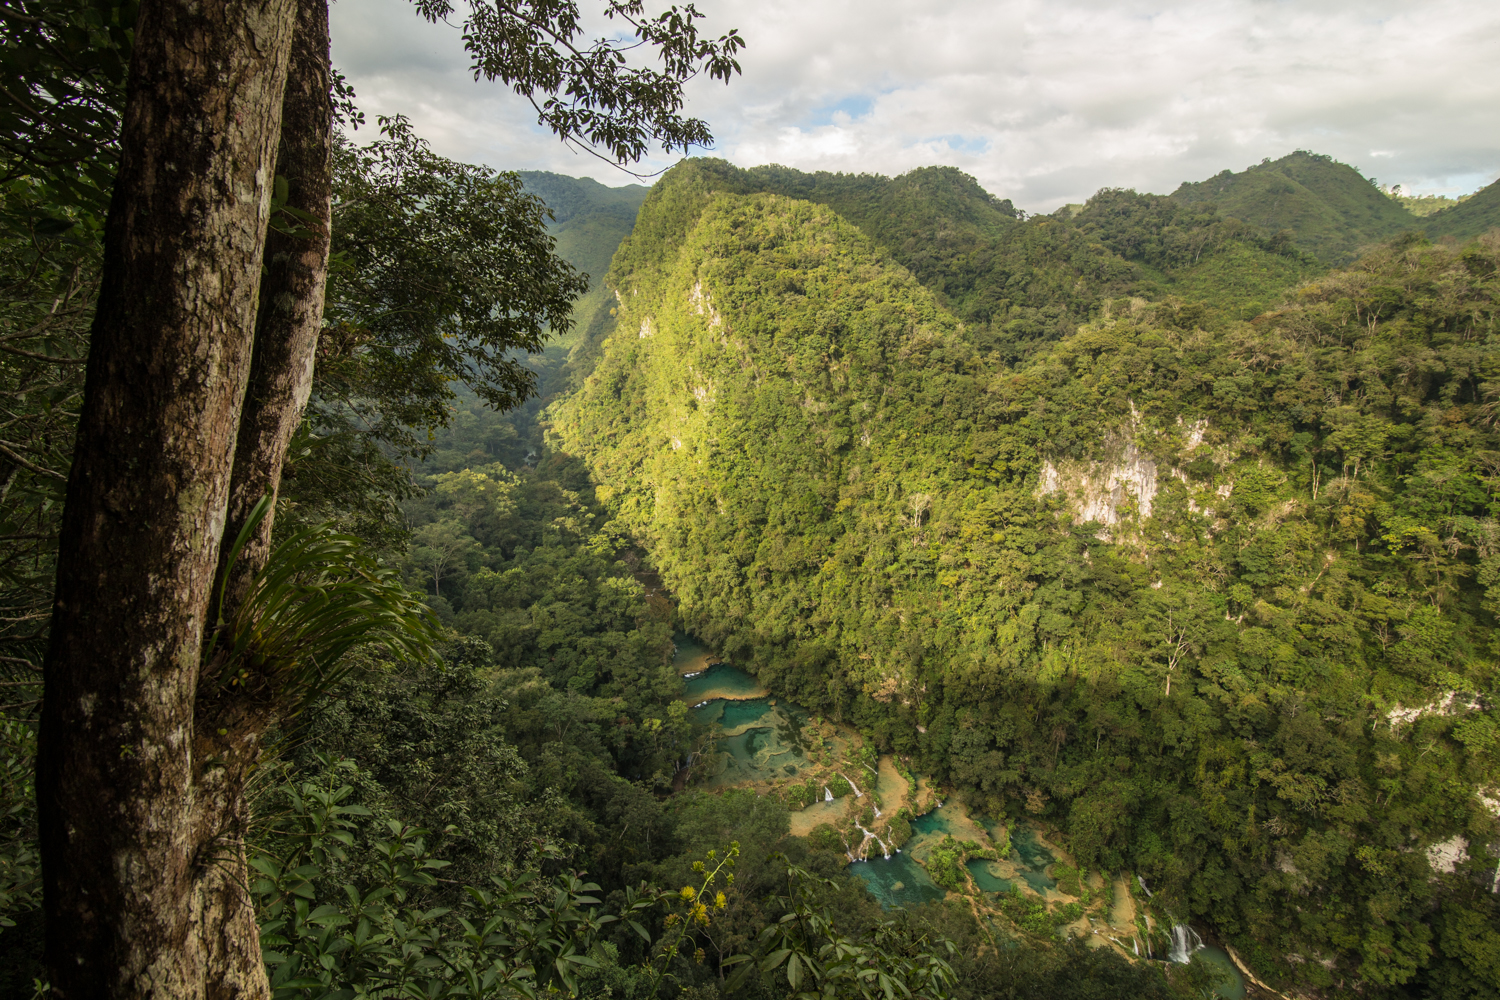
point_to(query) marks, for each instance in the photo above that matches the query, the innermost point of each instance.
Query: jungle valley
(883, 591)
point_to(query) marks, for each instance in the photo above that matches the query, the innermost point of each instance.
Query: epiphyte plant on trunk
(199, 369)
(319, 596)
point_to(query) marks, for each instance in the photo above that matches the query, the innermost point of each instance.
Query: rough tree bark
(229, 722)
(291, 297)
(140, 841)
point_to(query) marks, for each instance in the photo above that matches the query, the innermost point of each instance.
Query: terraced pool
(897, 882)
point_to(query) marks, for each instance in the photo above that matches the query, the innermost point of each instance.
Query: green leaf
(53, 227)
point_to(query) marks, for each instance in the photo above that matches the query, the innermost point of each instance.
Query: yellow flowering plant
(692, 910)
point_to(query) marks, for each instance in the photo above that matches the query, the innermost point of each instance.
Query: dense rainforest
(1166, 521)
(1211, 592)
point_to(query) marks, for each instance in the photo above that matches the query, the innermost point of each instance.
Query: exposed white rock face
(1445, 857)
(1101, 488)
(1452, 703)
(703, 305)
(1118, 474)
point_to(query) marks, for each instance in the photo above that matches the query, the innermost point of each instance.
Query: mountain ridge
(1470, 218)
(1330, 208)
(589, 221)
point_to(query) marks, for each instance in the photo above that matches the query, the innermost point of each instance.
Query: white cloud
(1044, 103)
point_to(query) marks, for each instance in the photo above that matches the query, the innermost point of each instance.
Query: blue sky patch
(855, 106)
(964, 143)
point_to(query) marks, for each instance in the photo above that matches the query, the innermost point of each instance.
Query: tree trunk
(291, 297)
(288, 319)
(141, 864)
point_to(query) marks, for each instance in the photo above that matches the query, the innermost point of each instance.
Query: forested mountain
(1475, 215)
(588, 222)
(1018, 284)
(1208, 588)
(1331, 210)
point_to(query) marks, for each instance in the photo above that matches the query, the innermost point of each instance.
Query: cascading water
(857, 793)
(827, 795)
(886, 851)
(1143, 886)
(1185, 941)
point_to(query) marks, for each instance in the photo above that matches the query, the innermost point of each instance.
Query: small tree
(439, 546)
(918, 504)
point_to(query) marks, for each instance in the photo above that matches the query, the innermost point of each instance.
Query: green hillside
(1422, 205)
(1329, 207)
(571, 197)
(1016, 283)
(1192, 252)
(1175, 584)
(1474, 216)
(589, 221)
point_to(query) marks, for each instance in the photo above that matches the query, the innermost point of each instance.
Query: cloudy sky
(1043, 102)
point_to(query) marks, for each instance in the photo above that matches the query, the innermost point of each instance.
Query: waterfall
(1136, 943)
(1185, 941)
(1143, 886)
(870, 836)
(827, 795)
(857, 793)
(878, 813)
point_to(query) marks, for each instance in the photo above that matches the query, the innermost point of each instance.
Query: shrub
(945, 865)
(824, 837)
(899, 830)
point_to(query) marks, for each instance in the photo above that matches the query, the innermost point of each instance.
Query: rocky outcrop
(1120, 481)
(1101, 489)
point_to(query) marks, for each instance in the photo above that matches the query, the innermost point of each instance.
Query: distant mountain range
(589, 221)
